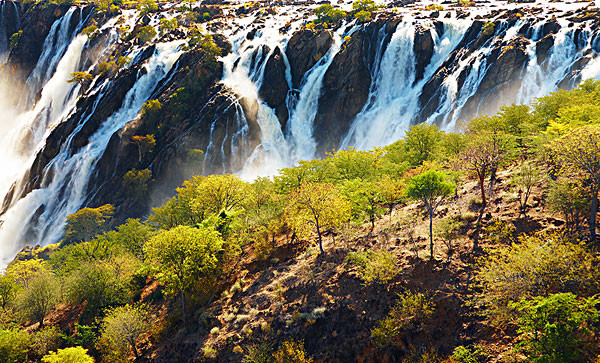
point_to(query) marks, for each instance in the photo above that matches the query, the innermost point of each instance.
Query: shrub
(136, 182)
(81, 78)
(291, 351)
(68, 355)
(488, 28)
(363, 16)
(568, 198)
(14, 39)
(146, 34)
(259, 353)
(412, 312)
(146, 7)
(88, 222)
(167, 25)
(39, 297)
(434, 7)
(538, 265)
(559, 328)
(470, 354)
(14, 345)
(90, 30)
(377, 266)
(45, 340)
(364, 5)
(122, 328)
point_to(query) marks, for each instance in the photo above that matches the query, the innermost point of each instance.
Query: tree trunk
(478, 228)
(183, 313)
(135, 352)
(372, 224)
(431, 234)
(320, 240)
(593, 212)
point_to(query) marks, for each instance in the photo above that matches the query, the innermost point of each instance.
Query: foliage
(145, 144)
(366, 197)
(431, 189)
(362, 16)
(291, 351)
(45, 340)
(8, 290)
(259, 353)
(203, 42)
(559, 327)
(448, 230)
(81, 78)
(578, 153)
(136, 182)
(319, 205)
(14, 39)
(68, 355)
(22, 272)
(525, 179)
(146, 34)
(122, 328)
(14, 345)
(538, 265)
(411, 313)
(184, 257)
(327, 14)
(39, 297)
(377, 266)
(422, 143)
(488, 28)
(364, 5)
(88, 222)
(567, 197)
(469, 354)
(167, 25)
(90, 30)
(146, 7)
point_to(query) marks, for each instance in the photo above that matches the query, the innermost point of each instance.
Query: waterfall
(68, 174)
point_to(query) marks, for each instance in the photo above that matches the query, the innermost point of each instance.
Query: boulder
(274, 87)
(304, 49)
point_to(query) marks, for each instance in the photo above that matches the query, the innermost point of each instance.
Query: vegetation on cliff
(114, 292)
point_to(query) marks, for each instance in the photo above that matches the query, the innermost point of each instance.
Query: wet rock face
(344, 92)
(274, 88)
(423, 49)
(304, 49)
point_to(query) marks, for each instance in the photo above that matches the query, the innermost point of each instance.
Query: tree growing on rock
(319, 205)
(81, 78)
(431, 189)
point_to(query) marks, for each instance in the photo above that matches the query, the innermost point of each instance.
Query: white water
(70, 173)
(392, 106)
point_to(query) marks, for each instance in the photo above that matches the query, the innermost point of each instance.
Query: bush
(122, 328)
(538, 265)
(470, 354)
(291, 351)
(45, 340)
(412, 312)
(559, 328)
(14, 345)
(167, 25)
(146, 34)
(259, 353)
(363, 16)
(69, 355)
(39, 297)
(377, 266)
(146, 7)
(90, 30)
(568, 198)
(136, 182)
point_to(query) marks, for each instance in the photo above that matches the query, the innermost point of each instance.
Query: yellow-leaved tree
(318, 206)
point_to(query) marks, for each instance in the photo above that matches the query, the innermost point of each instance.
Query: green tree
(167, 25)
(182, 256)
(122, 329)
(481, 159)
(145, 144)
(319, 205)
(558, 328)
(431, 189)
(537, 265)
(8, 290)
(136, 182)
(146, 34)
(14, 345)
(525, 179)
(39, 297)
(366, 198)
(132, 236)
(68, 355)
(146, 7)
(219, 192)
(579, 153)
(81, 78)
(364, 5)
(569, 198)
(88, 222)
(422, 143)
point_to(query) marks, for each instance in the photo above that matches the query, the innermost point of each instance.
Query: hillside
(299, 182)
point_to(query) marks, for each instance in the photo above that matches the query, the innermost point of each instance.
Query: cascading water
(68, 174)
(395, 97)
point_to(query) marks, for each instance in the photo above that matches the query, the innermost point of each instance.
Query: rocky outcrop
(423, 49)
(344, 92)
(274, 87)
(304, 49)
